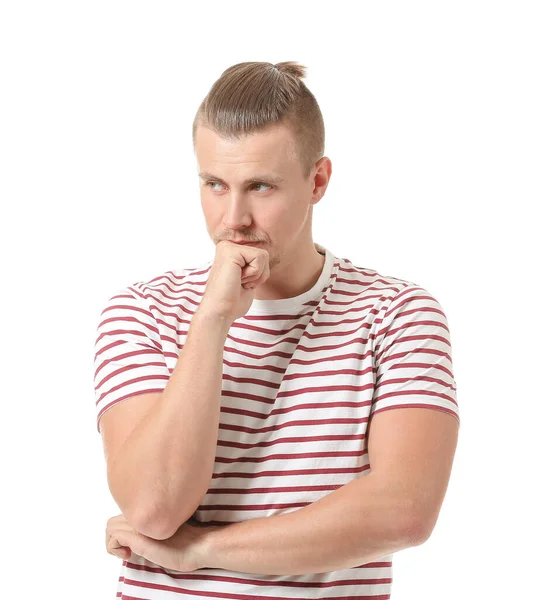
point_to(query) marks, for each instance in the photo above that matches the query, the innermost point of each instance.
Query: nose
(237, 214)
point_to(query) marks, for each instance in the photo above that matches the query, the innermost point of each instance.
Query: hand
(235, 272)
(184, 551)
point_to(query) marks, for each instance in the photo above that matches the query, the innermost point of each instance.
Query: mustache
(229, 239)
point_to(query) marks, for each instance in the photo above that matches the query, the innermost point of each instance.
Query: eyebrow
(258, 178)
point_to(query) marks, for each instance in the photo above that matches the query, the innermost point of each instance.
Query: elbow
(153, 518)
(413, 531)
(159, 528)
(153, 530)
(139, 520)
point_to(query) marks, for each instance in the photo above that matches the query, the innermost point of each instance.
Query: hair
(250, 97)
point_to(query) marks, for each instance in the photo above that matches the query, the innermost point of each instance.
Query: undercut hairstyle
(250, 97)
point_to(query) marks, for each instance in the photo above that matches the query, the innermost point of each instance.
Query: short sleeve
(413, 355)
(128, 357)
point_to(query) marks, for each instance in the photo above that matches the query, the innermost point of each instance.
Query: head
(259, 142)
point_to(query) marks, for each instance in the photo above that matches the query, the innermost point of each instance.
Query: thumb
(248, 271)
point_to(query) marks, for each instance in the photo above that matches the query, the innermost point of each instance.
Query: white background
(428, 108)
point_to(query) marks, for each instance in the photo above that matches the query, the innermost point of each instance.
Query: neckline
(295, 304)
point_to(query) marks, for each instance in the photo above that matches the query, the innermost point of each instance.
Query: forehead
(272, 148)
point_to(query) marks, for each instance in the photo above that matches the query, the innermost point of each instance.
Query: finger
(124, 538)
(115, 548)
(124, 552)
(120, 537)
(256, 267)
(114, 523)
(117, 522)
(249, 272)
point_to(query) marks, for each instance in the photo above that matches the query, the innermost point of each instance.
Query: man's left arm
(395, 506)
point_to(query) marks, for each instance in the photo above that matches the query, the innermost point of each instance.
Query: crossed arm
(394, 507)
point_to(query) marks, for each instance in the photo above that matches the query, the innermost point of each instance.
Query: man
(246, 404)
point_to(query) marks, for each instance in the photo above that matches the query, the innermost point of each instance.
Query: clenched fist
(236, 270)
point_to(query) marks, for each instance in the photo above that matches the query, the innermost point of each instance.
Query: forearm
(165, 465)
(354, 525)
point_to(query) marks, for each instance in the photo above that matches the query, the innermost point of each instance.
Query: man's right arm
(164, 467)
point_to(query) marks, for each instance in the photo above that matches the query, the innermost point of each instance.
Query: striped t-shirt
(301, 379)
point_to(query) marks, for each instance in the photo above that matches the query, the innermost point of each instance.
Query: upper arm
(118, 422)
(130, 370)
(414, 417)
(412, 451)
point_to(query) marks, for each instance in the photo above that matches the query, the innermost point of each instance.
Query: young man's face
(276, 211)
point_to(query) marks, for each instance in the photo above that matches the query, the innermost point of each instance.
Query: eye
(256, 184)
(210, 182)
